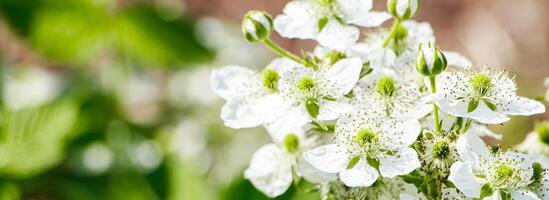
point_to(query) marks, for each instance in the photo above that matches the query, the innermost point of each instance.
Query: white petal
(236, 114)
(523, 195)
(482, 113)
(331, 110)
(313, 175)
(328, 158)
(361, 175)
(290, 121)
(246, 113)
(371, 19)
(471, 148)
(269, 170)
(337, 36)
(403, 162)
(457, 60)
(495, 196)
(343, 75)
(298, 21)
(461, 175)
(483, 131)
(225, 81)
(524, 106)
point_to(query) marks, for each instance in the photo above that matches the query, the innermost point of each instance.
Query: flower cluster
(389, 117)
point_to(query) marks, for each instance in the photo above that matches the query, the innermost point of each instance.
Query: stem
(393, 32)
(435, 107)
(467, 126)
(282, 52)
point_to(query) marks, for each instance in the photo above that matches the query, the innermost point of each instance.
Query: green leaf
(33, 140)
(472, 106)
(322, 23)
(312, 107)
(353, 162)
(486, 191)
(491, 105)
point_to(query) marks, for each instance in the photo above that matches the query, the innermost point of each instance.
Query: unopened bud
(403, 9)
(430, 60)
(257, 26)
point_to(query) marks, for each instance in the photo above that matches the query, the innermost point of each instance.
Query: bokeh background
(109, 99)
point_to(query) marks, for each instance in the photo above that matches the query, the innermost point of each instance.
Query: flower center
(504, 172)
(481, 83)
(306, 84)
(270, 79)
(291, 143)
(441, 149)
(364, 137)
(326, 2)
(543, 132)
(386, 86)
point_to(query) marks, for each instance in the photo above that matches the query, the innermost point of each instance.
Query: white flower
(388, 188)
(487, 96)
(252, 97)
(448, 122)
(317, 92)
(271, 167)
(503, 171)
(537, 142)
(327, 21)
(366, 141)
(400, 99)
(26, 87)
(438, 153)
(257, 26)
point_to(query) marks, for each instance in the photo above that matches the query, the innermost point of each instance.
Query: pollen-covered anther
(364, 137)
(504, 172)
(441, 149)
(482, 83)
(270, 79)
(306, 84)
(386, 86)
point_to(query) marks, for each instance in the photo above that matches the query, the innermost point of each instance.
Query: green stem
(393, 32)
(282, 52)
(435, 107)
(467, 126)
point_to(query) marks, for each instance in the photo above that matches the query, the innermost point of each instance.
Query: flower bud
(403, 9)
(257, 26)
(430, 60)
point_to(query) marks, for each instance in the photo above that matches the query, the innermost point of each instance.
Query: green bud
(403, 9)
(482, 83)
(543, 132)
(364, 137)
(306, 84)
(291, 143)
(441, 149)
(386, 86)
(257, 26)
(270, 79)
(430, 61)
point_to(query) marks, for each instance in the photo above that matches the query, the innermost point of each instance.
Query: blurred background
(109, 99)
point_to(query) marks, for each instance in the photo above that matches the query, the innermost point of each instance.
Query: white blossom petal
(241, 113)
(371, 19)
(461, 175)
(361, 175)
(328, 158)
(313, 175)
(471, 148)
(331, 110)
(343, 76)
(225, 81)
(337, 36)
(524, 106)
(457, 60)
(269, 170)
(298, 21)
(403, 162)
(523, 195)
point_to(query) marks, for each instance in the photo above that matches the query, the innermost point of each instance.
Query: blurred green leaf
(32, 140)
(186, 182)
(9, 191)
